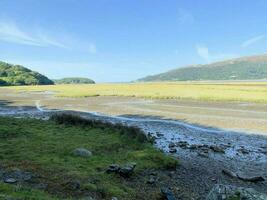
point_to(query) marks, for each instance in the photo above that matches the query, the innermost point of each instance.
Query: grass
(207, 91)
(45, 148)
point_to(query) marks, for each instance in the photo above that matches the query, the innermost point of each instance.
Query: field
(205, 91)
(44, 149)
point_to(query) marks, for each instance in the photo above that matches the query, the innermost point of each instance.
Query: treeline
(19, 75)
(74, 80)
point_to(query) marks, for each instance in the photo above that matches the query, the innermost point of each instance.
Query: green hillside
(19, 75)
(74, 80)
(247, 68)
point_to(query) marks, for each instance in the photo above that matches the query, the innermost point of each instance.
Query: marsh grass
(205, 91)
(45, 148)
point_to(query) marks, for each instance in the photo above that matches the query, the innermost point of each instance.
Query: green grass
(206, 91)
(45, 148)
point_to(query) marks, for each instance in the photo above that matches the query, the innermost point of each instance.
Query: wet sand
(244, 117)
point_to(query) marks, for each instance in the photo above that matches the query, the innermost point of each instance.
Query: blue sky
(122, 40)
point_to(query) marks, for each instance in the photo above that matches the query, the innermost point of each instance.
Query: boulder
(227, 192)
(127, 169)
(82, 152)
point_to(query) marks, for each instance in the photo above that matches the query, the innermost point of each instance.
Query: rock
(10, 180)
(227, 192)
(193, 146)
(114, 168)
(243, 177)
(151, 180)
(82, 152)
(243, 151)
(250, 178)
(203, 154)
(171, 145)
(114, 198)
(160, 134)
(217, 149)
(172, 150)
(182, 144)
(167, 194)
(127, 170)
(73, 185)
(229, 173)
(21, 175)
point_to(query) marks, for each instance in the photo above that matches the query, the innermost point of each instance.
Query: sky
(123, 40)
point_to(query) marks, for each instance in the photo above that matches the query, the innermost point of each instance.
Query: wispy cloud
(10, 32)
(204, 53)
(253, 40)
(185, 17)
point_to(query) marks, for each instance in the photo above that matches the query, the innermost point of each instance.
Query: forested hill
(74, 80)
(19, 75)
(246, 68)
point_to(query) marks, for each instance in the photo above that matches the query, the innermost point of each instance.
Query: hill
(74, 80)
(19, 75)
(246, 68)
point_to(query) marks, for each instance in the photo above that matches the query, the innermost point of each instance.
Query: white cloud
(10, 32)
(185, 17)
(253, 40)
(205, 54)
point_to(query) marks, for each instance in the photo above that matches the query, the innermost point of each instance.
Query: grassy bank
(207, 91)
(45, 149)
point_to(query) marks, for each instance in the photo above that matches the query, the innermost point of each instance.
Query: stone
(160, 134)
(10, 180)
(151, 180)
(73, 185)
(227, 192)
(113, 168)
(182, 144)
(21, 175)
(243, 151)
(203, 154)
(171, 145)
(243, 176)
(217, 149)
(82, 152)
(250, 178)
(114, 198)
(167, 194)
(193, 146)
(172, 150)
(127, 169)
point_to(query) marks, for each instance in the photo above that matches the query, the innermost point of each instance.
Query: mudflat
(240, 116)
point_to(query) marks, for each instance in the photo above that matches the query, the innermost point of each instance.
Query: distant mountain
(74, 80)
(245, 68)
(19, 75)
